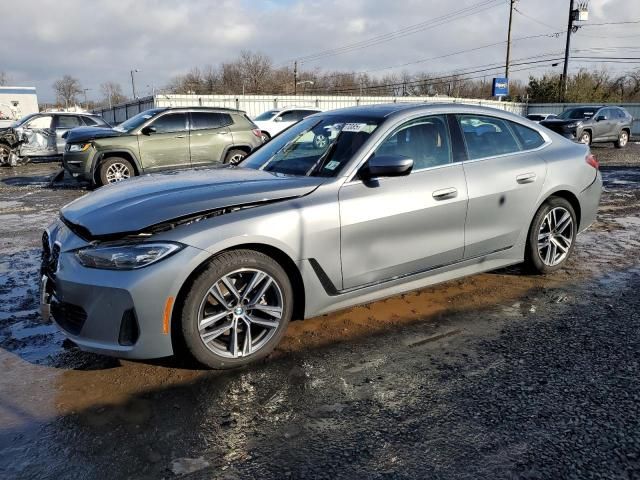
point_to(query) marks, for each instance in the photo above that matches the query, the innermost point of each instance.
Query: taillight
(592, 160)
(257, 132)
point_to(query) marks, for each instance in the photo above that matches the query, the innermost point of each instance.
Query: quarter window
(529, 138)
(487, 136)
(172, 122)
(425, 140)
(203, 120)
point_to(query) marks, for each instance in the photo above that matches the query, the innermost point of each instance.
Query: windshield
(139, 119)
(319, 146)
(580, 113)
(268, 115)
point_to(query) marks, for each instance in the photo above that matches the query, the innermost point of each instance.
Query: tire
(586, 137)
(320, 141)
(235, 156)
(115, 169)
(5, 154)
(544, 254)
(213, 344)
(623, 139)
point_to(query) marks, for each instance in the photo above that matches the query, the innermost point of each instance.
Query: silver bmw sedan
(343, 208)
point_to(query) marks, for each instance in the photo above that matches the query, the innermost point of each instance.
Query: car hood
(85, 134)
(560, 121)
(136, 204)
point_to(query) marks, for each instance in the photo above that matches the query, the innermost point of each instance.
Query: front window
(40, 122)
(580, 113)
(315, 146)
(23, 120)
(268, 115)
(139, 119)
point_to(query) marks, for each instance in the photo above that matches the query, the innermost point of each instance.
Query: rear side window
(487, 136)
(529, 138)
(68, 121)
(88, 121)
(292, 116)
(172, 122)
(203, 120)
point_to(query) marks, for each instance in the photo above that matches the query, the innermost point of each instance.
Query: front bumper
(78, 164)
(117, 313)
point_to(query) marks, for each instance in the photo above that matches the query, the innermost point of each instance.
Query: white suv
(274, 121)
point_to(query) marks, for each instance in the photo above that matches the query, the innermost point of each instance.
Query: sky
(98, 41)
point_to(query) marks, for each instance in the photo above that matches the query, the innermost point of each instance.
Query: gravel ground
(499, 375)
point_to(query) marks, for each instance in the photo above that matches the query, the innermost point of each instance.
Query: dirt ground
(499, 375)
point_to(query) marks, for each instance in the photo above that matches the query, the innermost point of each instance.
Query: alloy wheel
(624, 138)
(236, 159)
(585, 138)
(555, 236)
(321, 141)
(116, 172)
(240, 313)
(5, 153)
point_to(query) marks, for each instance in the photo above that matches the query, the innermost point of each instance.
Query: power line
(410, 30)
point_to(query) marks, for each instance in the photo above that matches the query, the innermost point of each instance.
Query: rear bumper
(589, 202)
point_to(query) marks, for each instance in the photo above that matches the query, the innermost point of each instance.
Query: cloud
(98, 41)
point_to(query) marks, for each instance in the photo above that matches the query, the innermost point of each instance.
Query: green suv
(160, 139)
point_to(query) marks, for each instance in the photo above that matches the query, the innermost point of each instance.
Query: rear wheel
(623, 139)
(586, 137)
(237, 310)
(551, 236)
(235, 156)
(115, 169)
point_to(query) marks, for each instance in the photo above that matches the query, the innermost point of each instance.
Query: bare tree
(112, 93)
(67, 90)
(255, 69)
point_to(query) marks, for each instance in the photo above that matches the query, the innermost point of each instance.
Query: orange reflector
(168, 306)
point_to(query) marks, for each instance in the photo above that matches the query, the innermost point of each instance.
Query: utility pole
(133, 83)
(86, 103)
(295, 78)
(563, 83)
(506, 68)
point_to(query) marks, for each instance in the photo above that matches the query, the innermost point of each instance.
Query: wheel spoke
(253, 283)
(233, 339)
(231, 287)
(217, 294)
(268, 309)
(261, 321)
(564, 222)
(256, 298)
(247, 346)
(208, 321)
(557, 244)
(216, 332)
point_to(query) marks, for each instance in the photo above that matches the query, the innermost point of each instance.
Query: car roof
(201, 109)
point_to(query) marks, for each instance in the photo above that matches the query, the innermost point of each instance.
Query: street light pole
(86, 103)
(133, 83)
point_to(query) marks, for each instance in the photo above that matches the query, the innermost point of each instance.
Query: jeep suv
(160, 139)
(589, 124)
(42, 135)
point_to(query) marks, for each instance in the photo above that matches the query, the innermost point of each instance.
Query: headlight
(572, 125)
(128, 256)
(78, 147)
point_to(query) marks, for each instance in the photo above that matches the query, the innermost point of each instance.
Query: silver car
(403, 196)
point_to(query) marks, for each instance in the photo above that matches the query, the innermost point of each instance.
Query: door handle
(526, 178)
(180, 136)
(445, 193)
(223, 133)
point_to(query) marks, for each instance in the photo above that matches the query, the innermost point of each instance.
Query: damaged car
(41, 135)
(217, 262)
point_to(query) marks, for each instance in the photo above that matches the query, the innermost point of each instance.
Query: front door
(398, 226)
(603, 125)
(39, 138)
(504, 175)
(209, 137)
(168, 146)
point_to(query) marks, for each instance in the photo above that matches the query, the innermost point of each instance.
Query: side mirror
(148, 130)
(599, 118)
(386, 166)
(277, 119)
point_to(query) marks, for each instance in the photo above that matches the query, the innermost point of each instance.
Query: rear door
(504, 177)
(209, 137)
(168, 146)
(399, 226)
(64, 123)
(603, 124)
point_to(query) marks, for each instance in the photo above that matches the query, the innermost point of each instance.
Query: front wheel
(623, 139)
(115, 169)
(5, 154)
(585, 137)
(237, 309)
(551, 236)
